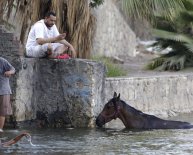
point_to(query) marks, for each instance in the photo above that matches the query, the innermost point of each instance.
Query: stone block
(59, 93)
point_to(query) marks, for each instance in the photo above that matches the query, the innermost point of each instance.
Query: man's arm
(64, 42)
(71, 48)
(9, 69)
(42, 41)
(9, 73)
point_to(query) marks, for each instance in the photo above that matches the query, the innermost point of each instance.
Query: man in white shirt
(45, 40)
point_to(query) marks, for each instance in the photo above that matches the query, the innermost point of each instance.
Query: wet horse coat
(135, 119)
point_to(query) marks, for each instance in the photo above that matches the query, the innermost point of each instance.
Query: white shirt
(40, 30)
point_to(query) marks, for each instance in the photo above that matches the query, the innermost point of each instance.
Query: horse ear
(118, 97)
(115, 95)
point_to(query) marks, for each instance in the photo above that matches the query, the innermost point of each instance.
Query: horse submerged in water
(133, 118)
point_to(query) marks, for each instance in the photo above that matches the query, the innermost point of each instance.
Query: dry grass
(81, 26)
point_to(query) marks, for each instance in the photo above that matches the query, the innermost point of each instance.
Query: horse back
(157, 123)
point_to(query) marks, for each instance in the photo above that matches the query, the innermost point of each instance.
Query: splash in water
(16, 139)
(30, 141)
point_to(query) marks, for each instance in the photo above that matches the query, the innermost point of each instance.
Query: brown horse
(133, 118)
(14, 140)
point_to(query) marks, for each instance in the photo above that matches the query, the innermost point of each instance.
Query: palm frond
(96, 3)
(186, 16)
(148, 8)
(164, 63)
(188, 4)
(189, 47)
(155, 63)
(173, 36)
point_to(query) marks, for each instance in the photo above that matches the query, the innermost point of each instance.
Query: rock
(117, 60)
(59, 92)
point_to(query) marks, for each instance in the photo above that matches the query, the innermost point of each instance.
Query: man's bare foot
(49, 50)
(50, 53)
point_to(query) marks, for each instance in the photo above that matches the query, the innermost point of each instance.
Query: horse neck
(129, 115)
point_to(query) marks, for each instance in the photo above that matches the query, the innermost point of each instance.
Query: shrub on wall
(113, 70)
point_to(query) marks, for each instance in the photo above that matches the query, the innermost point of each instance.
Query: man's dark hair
(48, 14)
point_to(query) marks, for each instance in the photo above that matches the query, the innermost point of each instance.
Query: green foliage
(176, 35)
(148, 8)
(113, 70)
(174, 63)
(96, 3)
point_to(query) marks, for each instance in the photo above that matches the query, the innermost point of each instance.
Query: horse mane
(135, 111)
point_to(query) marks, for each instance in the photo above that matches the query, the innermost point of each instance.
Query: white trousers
(39, 51)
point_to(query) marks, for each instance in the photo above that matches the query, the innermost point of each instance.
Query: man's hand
(9, 73)
(61, 36)
(73, 52)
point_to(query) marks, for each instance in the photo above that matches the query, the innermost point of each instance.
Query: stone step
(2, 29)
(2, 26)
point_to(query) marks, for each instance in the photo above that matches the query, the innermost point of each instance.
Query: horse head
(110, 111)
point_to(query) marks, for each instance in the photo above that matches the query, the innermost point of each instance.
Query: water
(102, 142)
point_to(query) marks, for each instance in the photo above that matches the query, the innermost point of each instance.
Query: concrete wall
(162, 96)
(113, 35)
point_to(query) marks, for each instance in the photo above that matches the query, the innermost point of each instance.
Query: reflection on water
(102, 141)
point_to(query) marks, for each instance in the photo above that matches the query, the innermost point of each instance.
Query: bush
(113, 70)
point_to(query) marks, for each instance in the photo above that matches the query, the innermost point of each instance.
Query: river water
(106, 141)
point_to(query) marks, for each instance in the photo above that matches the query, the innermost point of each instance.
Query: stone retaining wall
(162, 96)
(59, 93)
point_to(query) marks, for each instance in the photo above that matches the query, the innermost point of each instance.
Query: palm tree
(176, 35)
(148, 8)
